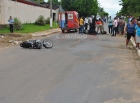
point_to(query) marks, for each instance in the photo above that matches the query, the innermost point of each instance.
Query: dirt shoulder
(16, 38)
(13, 39)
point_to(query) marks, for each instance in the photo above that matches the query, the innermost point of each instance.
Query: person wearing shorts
(121, 26)
(138, 35)
(130, 31)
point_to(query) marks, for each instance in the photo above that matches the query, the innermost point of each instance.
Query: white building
(26, 13)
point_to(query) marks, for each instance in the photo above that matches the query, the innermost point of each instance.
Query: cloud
(110, 6)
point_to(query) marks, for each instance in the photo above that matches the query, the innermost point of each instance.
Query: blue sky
(110, 6)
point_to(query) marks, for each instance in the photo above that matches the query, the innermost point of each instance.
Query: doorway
(54, 16)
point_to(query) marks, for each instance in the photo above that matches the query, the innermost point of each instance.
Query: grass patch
(29, 28)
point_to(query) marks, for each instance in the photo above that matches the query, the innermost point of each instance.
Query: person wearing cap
(138, 35)
(130, 31)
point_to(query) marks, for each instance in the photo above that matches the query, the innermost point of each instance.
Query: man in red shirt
(99, 25)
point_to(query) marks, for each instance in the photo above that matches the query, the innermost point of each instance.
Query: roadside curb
(134, 44)
(45, 33)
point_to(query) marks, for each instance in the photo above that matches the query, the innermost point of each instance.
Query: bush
(47, 21)
(40, 20)
(17, 24)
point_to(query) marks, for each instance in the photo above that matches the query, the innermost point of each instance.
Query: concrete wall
(1, 11)
(26, 13)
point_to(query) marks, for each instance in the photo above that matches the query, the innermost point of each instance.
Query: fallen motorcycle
(37, 44)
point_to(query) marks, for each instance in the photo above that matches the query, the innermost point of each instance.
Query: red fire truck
(68, 20)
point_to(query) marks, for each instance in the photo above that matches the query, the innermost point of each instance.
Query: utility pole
(50, 14)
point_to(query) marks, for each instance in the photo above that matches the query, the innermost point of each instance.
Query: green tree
(83, 7)
(54, 2)
(101, 12)
(106, 14)
(118, 14)
(130, 7)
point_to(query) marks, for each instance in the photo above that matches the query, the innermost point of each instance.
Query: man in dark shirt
(93, 26)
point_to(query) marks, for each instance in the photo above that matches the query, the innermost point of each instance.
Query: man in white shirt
(90, 23)
(86, 23)
(115, 23)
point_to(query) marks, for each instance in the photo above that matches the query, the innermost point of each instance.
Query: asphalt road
(78, 69)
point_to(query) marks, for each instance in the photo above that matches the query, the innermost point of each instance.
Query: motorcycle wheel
(21, 45)
(47, 43)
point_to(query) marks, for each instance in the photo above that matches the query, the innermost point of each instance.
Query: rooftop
(43, 4)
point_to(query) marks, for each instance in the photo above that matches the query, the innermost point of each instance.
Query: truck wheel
(63, 31)
(68, 31)
(75, 30)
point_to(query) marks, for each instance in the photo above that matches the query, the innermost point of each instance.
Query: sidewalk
(45, 33)
(133, 42)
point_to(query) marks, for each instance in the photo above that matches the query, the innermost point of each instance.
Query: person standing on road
(115, 24)
(99, 26)
(92, 26)
(81, 25)
(110, 25)
(138, 35)
(11, 24)
(121, 26)
(130, 31)
(86, 23)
